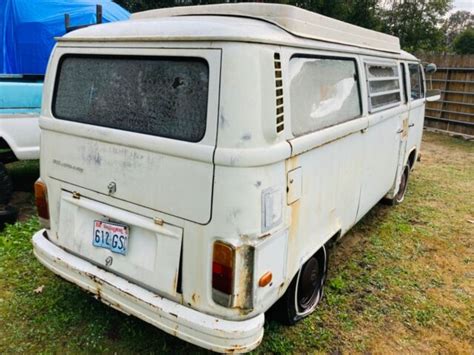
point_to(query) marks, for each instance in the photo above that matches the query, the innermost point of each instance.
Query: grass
(401, 281)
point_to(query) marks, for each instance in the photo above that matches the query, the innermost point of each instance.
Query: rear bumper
(190, 325)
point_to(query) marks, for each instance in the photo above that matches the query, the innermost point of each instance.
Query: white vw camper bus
(196, 161)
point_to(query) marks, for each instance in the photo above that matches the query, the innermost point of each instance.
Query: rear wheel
(305, 290)
(402, 188)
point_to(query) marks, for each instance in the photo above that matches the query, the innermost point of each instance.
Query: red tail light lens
(223, 260)
(41, 200)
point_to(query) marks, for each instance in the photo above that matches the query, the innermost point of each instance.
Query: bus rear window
(161, 96)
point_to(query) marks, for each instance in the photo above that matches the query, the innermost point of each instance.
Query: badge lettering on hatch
(68, 165)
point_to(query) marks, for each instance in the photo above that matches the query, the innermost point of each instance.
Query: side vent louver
(280, 121)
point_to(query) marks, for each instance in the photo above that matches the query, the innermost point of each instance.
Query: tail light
(223, 262)
(41, 201)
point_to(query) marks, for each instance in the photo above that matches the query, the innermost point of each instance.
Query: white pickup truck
(20, 105)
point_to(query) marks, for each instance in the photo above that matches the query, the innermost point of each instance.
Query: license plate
(110, 236)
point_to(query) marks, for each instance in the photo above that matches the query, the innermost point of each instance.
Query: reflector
(41, 199)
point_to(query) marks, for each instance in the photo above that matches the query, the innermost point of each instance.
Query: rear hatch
(138, 129)
(143, 123)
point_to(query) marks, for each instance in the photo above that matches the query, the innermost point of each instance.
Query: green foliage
(464, 42)
(338, 9)
(143, 5)
(365, 13)
(417, 23)
(456, 23)
(362, 13)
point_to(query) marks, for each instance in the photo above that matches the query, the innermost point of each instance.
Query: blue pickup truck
(20, 104)
(27, 35)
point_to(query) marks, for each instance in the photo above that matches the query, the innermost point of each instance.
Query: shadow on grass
(24, 174)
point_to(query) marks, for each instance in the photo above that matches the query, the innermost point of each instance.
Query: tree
(464, 42)
(337, 9)
(143, 5)
(456, 23)
(416, 22)
(365, 13)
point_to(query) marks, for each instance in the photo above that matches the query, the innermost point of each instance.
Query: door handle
(400, 130)
(411, 125)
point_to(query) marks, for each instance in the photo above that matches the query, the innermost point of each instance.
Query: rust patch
(235, 349)
(98, 296)
(265, 235)
(100, 283)
(292, 164)
(294, 221)
(295, 217)
(323, 144)
(175, 281)
(244, 299)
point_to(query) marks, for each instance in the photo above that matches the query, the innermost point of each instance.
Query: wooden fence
(455, 78)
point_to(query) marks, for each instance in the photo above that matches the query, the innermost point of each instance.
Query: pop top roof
(298, 22)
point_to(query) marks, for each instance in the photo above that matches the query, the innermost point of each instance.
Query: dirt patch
(24, 202)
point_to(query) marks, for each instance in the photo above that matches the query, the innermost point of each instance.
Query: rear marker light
(223, 260)
(41, 200)
(265, 279)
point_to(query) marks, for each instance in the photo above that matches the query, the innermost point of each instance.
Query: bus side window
(415, 81)
(324, 92)
(383, 81)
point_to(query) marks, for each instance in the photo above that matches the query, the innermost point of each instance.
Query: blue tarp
(28, 28)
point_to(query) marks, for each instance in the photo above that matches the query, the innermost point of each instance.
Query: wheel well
(4, 144)
(332, 241)
(320, 252)
(6, 153)
(411, 158)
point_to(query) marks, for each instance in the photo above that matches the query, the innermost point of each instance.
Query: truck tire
(6, 186)
(8, 214)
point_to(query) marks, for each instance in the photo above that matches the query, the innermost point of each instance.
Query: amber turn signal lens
(223, 267)
(41, 199)
(265, 279)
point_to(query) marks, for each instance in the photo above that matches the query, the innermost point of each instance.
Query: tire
(8, 214)
(6, 186)
(304, 292)
(402, 189)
